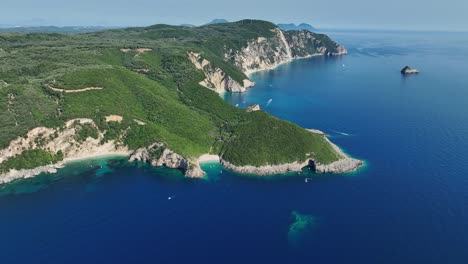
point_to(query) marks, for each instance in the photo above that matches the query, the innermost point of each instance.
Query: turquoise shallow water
(409, 205)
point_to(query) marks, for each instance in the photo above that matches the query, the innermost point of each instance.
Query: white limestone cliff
(61, 139)
(215, 78)
(263, 54)
(157, 154)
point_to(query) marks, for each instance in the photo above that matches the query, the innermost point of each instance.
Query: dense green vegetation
(30, 159)
(158, 87)
(261, 140)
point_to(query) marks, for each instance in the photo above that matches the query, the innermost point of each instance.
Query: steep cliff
(80, 139)
(263, 53)
(266, 53)
(215, 78)
(157, 154)
(77, 139)
(66, 97)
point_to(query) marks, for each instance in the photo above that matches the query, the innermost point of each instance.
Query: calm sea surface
(408, 205)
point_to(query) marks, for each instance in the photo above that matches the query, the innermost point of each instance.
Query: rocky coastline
(343, 165)
(157, 154)
(262, 54)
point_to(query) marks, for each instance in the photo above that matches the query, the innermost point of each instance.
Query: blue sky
(373, 14)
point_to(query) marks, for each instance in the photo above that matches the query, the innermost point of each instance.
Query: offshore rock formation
(408, 70)
(157, 154)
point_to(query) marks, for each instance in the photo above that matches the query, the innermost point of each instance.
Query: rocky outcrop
(343, 164)
(262, 54)
(267, 53)
(158, 154)
(408, 70)
(114, 118)
(215, 78)
(24, 174)
(316, 131)
(62, 140)
(65, 140)
(339, 166)
(267, 169)
(252, 108)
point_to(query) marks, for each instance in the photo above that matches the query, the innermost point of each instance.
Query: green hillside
(158, 86)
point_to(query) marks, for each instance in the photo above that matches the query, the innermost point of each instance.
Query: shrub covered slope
(156, 85)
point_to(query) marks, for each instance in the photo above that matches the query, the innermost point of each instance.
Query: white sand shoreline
(207, 158)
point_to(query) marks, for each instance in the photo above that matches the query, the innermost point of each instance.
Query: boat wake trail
(341, 133)
(269, 102)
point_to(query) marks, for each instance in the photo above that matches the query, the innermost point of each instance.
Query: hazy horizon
(360, 14)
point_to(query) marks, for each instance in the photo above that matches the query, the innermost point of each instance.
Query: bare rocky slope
(264, 53)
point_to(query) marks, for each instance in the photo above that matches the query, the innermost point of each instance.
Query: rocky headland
(225, 70)
(264, 54)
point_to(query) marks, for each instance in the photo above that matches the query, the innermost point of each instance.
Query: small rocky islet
(408, 70)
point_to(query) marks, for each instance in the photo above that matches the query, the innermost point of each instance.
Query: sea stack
(408, 70)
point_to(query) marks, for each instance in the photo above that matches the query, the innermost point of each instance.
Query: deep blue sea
(408, 205)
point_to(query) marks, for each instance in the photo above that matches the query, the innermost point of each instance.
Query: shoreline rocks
(157, 155)
(262, 54)
(29, 173)
(267, 169)
(253, 108)
(342, 165)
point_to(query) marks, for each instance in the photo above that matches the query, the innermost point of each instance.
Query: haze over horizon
(358, 14)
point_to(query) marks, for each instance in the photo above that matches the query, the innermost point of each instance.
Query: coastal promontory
(152, 94)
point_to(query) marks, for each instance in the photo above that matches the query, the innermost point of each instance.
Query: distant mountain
(54, 29)
(302, 26)
(217, 21)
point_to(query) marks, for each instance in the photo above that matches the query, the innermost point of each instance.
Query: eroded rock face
(267, 169)
(252, 108)
(215, 78)
(263, 54)
(267, 53)
(157, 154)
(343, 164)
(62, 139)
(340, 166)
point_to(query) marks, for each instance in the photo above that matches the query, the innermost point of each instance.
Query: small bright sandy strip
(114, 118)
(208, 158)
